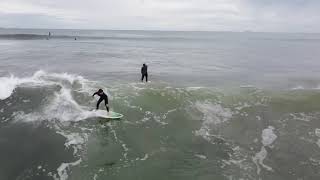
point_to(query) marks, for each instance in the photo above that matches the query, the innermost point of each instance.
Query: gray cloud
(216, 15)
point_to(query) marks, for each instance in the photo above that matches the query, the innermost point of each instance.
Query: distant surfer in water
(144, 72)
(49, 35)
(103, 96)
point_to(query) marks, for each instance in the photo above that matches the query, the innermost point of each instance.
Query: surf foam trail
(65, 98)
(59, 100)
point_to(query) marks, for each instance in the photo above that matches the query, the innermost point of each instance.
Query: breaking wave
(241, 128)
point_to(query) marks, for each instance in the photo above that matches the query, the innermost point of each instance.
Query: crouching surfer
(104, 97)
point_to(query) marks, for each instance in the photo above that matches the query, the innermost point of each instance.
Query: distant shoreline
(150, 30)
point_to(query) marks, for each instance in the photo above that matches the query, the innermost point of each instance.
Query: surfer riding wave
(103, 96)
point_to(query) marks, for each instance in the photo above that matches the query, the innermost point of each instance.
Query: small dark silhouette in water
(49, 35)
(104, 97)
(75, 38)
(144, 72)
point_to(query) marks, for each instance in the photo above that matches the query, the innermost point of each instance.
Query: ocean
(219, 105)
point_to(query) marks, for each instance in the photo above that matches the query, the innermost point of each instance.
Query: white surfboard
(107, 115)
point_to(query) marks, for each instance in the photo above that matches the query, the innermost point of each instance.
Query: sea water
(220, 105)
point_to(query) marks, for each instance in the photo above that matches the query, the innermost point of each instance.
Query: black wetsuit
(104, 97)
(144, 73)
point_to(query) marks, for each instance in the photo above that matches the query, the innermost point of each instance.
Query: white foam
(145, 157)
(247, 86)
(159, 120)
(268, 136)
(201, 156)
(317, 132)
(258, 118)
(259, 158)
(44, 76)
(213, 114)
(8, 84)
(238, 160)
(242, 106)
(62, 108)
(95, 177)
(65, 108)
(194, 88)
(302, 117)
(204, 132)
(63, 168)
(75, 140)
(69, 77)
(297, 88)
(125, 151)
(164, 116)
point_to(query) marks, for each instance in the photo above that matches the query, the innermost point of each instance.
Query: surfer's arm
(94, 93)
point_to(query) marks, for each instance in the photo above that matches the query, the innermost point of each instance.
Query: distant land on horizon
(244, 31)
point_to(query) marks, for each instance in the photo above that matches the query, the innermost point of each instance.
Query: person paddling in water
(103, 96)
(144, 72)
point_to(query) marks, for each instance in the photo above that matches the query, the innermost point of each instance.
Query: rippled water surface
(219, 105)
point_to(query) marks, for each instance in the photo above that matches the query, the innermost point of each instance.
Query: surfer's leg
(106, 104)
(145, 75)
(142, 76)
(98, 103)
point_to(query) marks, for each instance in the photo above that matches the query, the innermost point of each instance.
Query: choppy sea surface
(219, 105)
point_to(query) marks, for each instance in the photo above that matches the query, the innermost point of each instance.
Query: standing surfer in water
(144, 72)
(49, 35)
(103, 96)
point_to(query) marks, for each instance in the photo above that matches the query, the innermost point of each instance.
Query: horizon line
(161, 30)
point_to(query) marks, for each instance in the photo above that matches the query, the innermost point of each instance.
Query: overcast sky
(208, 15)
